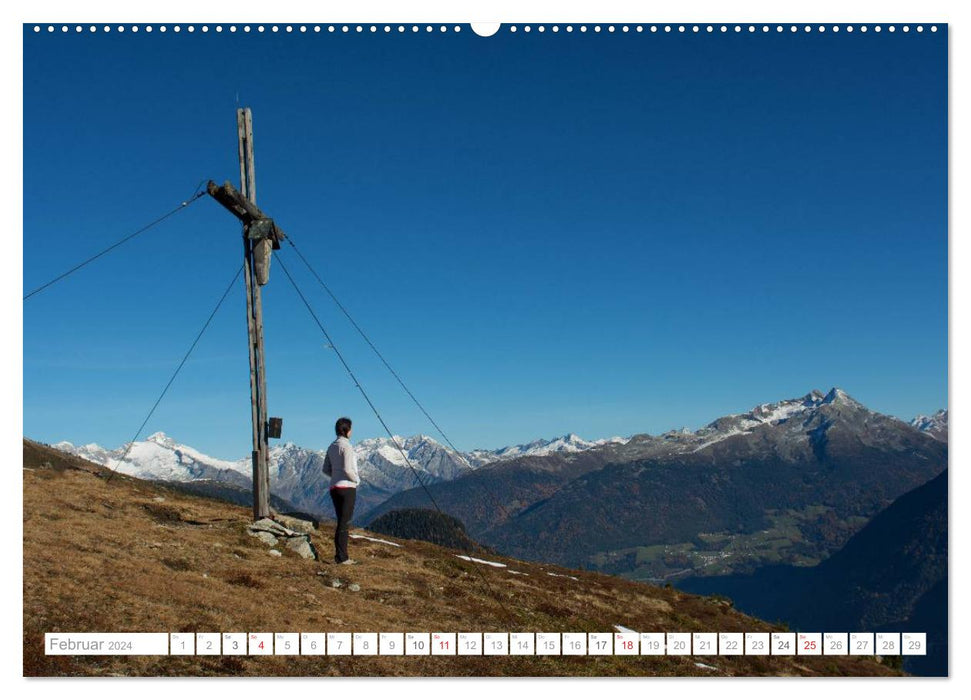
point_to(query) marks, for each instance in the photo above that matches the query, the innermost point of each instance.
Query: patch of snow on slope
(719, 438)
(498, 565)
(373, 539)
(550, 573)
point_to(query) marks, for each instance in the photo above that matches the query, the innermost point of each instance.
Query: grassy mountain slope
(131, 555)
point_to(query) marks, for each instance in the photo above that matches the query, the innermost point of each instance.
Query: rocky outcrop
(273, 533)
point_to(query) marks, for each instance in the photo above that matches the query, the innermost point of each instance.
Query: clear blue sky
(603, 234)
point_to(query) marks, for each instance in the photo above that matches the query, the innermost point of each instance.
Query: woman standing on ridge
(340, 464)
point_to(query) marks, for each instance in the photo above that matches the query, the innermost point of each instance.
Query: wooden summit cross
(260, 237)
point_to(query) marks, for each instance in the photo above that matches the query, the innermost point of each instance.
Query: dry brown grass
(132, 556)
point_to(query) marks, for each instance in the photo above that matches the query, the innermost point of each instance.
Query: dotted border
(509, 28)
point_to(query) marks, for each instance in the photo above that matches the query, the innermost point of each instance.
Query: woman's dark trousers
(344, 507)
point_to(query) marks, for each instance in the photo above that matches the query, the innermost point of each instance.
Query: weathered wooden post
(254, 324)
(260, 237)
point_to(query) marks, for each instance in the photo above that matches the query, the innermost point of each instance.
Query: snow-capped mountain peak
(158, 457)
(936, 426)
(162, 439)
(814, 397)
(840, 397)
(569, 443)
(801, 410)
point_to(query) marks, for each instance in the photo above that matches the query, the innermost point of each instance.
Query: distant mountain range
(787, 482)
(295, 472)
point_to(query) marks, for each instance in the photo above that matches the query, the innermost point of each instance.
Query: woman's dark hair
(343, 427)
